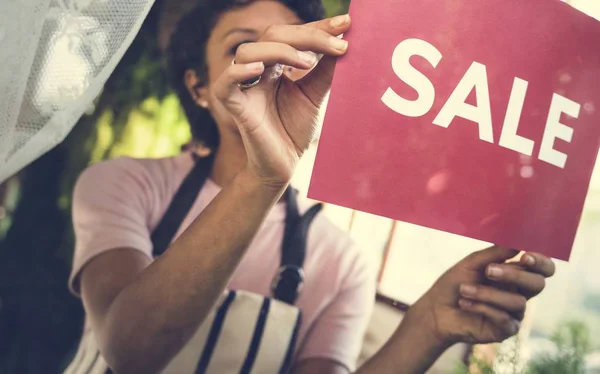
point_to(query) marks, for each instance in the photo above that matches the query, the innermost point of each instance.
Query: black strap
(289, 279)
(214, 333)
(180, 205)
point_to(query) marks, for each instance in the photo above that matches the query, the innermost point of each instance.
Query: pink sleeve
(110, 210)
(338, 332)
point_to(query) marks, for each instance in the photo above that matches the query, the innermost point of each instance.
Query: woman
(254, 123)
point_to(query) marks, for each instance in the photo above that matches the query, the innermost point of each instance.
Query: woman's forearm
(154, 316)
(412, 349)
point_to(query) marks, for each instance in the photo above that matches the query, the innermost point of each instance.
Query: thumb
(495, 254)
(317, 83)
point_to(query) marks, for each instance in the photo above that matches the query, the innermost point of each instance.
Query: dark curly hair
(187, 50)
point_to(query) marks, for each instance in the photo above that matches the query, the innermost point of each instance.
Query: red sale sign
(479, 118)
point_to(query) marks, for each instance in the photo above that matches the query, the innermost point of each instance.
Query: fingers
(271, 53)
(510, 302)
(319, 37)
(226, 87)
(528, 283)
(480, 259)
(335, 26)
(297, 46)
(502, 320)
(317, 83)
(538, 263)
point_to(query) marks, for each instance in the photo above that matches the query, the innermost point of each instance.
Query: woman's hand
(482, 299)
(277, 117)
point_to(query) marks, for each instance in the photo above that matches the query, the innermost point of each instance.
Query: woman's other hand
(482, 299)
(277, 118)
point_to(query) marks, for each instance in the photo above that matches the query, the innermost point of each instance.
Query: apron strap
(181, 204)
(289, 279)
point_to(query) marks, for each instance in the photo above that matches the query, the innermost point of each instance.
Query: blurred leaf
(572, 339)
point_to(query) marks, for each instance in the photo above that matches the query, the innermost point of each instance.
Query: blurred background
(137, 115)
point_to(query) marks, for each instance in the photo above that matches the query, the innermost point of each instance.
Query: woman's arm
(480, 300)
(469, 303)
(411, 349)
(142, 313)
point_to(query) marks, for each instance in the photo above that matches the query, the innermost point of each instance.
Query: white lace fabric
(55, 56)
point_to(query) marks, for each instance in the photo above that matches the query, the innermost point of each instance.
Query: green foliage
(573, 342)
(459, 368)
(483, 366)
(156, 128)
(335, 7)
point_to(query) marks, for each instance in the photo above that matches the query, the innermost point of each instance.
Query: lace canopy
(55, 56)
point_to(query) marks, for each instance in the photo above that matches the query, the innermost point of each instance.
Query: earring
(202, 102)
(201, 151)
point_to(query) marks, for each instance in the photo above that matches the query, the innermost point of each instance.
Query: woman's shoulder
(131, 174)
(330, 244)
(148, 181)
(131, 167)
(322, 227)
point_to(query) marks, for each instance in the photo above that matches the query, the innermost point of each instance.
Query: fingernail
(517, 324)
(255, 66)
(494, 271)
(467, 290)
(340, 20)
(307, 58)
(465, 303)
(339, 44)
(529, 260)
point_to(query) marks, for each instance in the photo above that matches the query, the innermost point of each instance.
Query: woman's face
(235, 27)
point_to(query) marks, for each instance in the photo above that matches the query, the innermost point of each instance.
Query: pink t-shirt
(118, 204)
